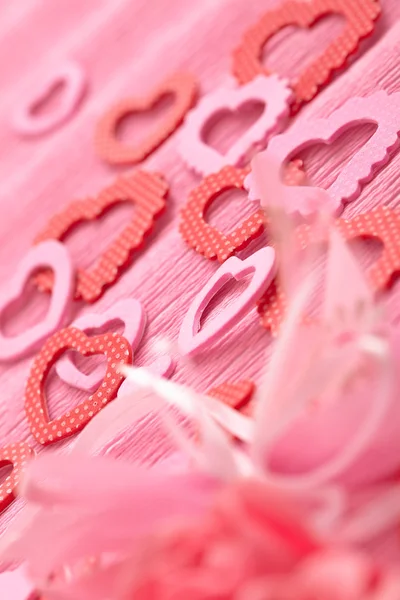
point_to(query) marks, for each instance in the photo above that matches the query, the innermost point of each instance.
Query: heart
(184, 88)
(204, 238)
(380, 108)
(113, 346)
(54, 255)
(73, 78)
(382, 223)
(18, 455)
(235, 395)
(359, 14)
(274, 94)
(192, 339)
(146, 192)
(130, 312)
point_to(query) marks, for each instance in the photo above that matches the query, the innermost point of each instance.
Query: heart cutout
(18, 455)
(225, 128)
(380, 108)
(184, 88)
(272, 92)
(235, 395)
(130, 312)
(204, 238)
(116, 349)
(55, 255)
(193, 338)
(147, 192)
(382, 223)
(360, 16)
(72, 78)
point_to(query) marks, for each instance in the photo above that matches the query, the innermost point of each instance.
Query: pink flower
(238, 541)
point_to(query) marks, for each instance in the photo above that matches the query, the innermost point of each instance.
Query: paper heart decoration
(204, 238)
(192, 339)
(117, 351)
(47, 254)
(274, 94)
(130, 312)
(146, 192)
(73, 79)
(380, 108)
(359, 14)
(184, 88)
(382, 223)
(18, 455)
(236, 395)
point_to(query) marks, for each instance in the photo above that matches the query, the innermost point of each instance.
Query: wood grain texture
(127, 47)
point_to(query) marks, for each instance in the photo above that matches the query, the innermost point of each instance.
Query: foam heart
(73, 78)
(380, 108)
(48, 254)
(274, 94)
(203, 237)
(116, 349)
(146, 192)
(181, 85)
(192, 338)
(359, 14)
(130, 312)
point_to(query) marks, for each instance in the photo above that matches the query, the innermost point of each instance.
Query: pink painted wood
(39, 177)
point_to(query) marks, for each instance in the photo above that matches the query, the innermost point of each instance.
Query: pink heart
(131, 313)
(48, 254)
(380, 108)
(73, 78)
(191, 340)
(273, 92)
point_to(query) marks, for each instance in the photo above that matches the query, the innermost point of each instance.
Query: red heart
(117, 350)
(359, 14)
(17, 454)
(146, 191)
(382, 223)
(236, 395)
(181, 85)
(204, 238)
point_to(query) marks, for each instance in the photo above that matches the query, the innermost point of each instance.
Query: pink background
(126, 47)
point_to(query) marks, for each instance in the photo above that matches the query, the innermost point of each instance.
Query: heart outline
(192, 338)
(147, 192)
(50, 253)
(380, 108)
(47, 431)
(72, 75)
(111, 150)
(360, 18)
(127, 310)
(203, 237)
(274, 94)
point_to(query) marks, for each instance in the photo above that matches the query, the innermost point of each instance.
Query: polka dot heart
(236, 395)
(146, 191)
(116, 349)
(17, 455)
(204, 238)
(382, 223)
(360, 16)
